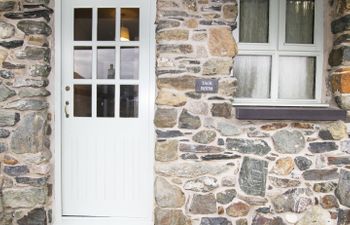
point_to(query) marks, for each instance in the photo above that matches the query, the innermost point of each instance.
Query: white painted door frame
(57, 102)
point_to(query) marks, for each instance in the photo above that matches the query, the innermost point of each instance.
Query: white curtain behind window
(297, 77)
(254, 21)
(300, 21)
(253, 74)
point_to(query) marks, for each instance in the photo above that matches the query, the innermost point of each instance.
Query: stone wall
(25, 40)
(339, 58)
(212, 169)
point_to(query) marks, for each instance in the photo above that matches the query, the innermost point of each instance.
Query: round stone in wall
(204, 137)
(6, 30)
(37, 2)
(238, 209)
(202, 184)
(215, 221)
(173, 217)
(165, 118)
(343, 188)
(188, 121)
(166, 151)
(226, 197)
(203, 204)
(316, 216)
(303, 163)
(284, 166)
(167, 195)
(288, 142)
(227, 129)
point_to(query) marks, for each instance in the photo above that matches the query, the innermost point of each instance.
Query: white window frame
(277, 47)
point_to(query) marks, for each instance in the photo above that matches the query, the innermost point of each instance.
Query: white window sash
(273, 37)
(277, 48)
(318, 30)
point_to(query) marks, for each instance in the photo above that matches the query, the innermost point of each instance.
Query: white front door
(106, 150)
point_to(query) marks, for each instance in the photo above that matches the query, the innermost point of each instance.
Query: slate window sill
(290, 113)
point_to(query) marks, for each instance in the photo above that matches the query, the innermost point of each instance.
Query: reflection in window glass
(82, 100)
(297, 82)
(300, 21)
(130, 24)
(129, 100)
(253, 74)
(105, 100)
(129, 63)
(82, 24)
(105, 62)
(106, 24)
(254, 21)
(82, 62)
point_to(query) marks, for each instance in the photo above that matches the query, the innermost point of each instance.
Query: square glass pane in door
(129, 63)
(130, 24)
(106, 24)
(82, 62)
(105, 100)
(254, 21)
(82, 100)
(253, 74)
(129, 101)
(105, 62)
(300, 19)
(83, 24)
(297, 82)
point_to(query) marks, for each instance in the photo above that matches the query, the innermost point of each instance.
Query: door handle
(66, 109)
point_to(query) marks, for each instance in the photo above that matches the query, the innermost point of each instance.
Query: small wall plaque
(206, 85)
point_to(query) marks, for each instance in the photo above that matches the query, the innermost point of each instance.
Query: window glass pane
(130, 22)
(129, 100)
(106, 24)
(254, 21)
(297, 77)
(105, 62)
(82, 24)
(82, 100)
(82, 62)
(105, 100)
(300, 21)
(129, 63)
(253, 74)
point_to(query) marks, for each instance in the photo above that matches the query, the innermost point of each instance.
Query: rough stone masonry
(25, 56)
(212, 169)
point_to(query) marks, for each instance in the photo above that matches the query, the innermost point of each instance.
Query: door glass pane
(129, 100)
(300, 21)
(105, 62)
(253, 74)
(129, 63)
(82, 24)
(254, 21)
(82, 62)
(82, 100)
(106, 24)
(297, 82)
(130, 24)
(105, 100)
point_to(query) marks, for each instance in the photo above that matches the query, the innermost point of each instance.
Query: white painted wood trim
(57, 178)
(58, 219)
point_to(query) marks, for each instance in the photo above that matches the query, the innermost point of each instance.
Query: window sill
(290, 113)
